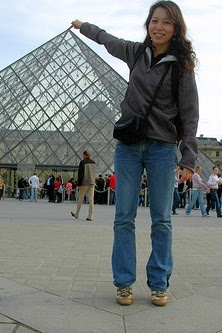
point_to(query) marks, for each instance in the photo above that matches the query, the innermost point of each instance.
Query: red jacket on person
(112, 182)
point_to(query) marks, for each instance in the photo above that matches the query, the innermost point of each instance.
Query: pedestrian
(21, 188)
(112, 186)
(86, 184)
(182, 187)
(26, 192)
(58, 190)
(34, 183)
(196, 192)
(219, 191)
(143, 188)
(100, 187)
(213, 183)
(176, 197)
(69, 189)
(50, 187)
(166, 42)
(1, 187)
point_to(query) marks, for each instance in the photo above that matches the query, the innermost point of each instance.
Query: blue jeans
(34, 194)
(196, 194)
(26, 194)
(159, 159)
(214, 198)
(21, 194)
(176, 200)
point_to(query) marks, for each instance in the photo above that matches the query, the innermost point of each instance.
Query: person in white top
(34, 183)
(198, 186)
(176, 197)
(213, 183)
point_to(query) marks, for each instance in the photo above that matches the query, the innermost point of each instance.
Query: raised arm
(117, 47)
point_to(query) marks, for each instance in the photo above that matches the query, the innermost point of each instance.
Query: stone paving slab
(7, 328)
(8, 325)
(195, 314)
(52, 314)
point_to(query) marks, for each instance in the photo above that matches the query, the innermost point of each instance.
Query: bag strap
(141, 49)
(138, 54)
(175, 80)
(158, 89)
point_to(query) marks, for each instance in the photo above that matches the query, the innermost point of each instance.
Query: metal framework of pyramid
(57, 101)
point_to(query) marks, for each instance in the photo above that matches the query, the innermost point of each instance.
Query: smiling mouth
(158, 35)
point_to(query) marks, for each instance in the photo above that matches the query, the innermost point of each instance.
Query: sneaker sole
(124, 301)
(73, 215)
(159, 302)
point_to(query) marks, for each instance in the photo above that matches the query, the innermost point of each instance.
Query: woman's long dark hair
(180, 46)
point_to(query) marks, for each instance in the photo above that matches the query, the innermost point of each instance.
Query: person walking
(86, 184)
(34, 184)
(51, 187)
(69, 190)
(58, 190)
(143, 188)
(219, 191)
(182, 187)
(213, 183)
(165, 43)
(176, 197)
(196, 192)
(100, 187)
(21, 188)
(1, 187)
(26, 192)
(112, 185)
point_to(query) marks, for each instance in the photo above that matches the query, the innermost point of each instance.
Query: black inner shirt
(155, 60)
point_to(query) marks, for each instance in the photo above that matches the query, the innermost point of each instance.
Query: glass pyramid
(57, 101)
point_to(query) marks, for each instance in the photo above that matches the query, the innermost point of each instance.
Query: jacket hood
(167, 58)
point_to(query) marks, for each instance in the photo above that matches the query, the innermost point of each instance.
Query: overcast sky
(26, 24)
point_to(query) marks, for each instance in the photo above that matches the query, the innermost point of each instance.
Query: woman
(21, 188)
(58, 194)
(1, 187)
(197, 194)
(165, 41)
(176, 197)
(69, 189)
(214, 182)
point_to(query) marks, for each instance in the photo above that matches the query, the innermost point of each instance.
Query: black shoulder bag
(133, 129)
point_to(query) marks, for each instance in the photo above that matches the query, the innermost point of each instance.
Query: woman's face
(161, 29)
(215, 171)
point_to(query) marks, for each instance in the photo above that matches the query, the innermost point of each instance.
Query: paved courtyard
(56, 276)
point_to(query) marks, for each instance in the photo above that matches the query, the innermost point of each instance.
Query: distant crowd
(193, 191)
(185, 194)
(56, 190)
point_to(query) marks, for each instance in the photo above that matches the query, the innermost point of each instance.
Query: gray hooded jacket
(142, 84)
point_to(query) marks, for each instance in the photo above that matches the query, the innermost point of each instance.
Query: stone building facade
(212, 148)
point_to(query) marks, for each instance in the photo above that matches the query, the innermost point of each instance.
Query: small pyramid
(57, 101)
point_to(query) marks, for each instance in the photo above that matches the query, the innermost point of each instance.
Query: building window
(217, 154)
